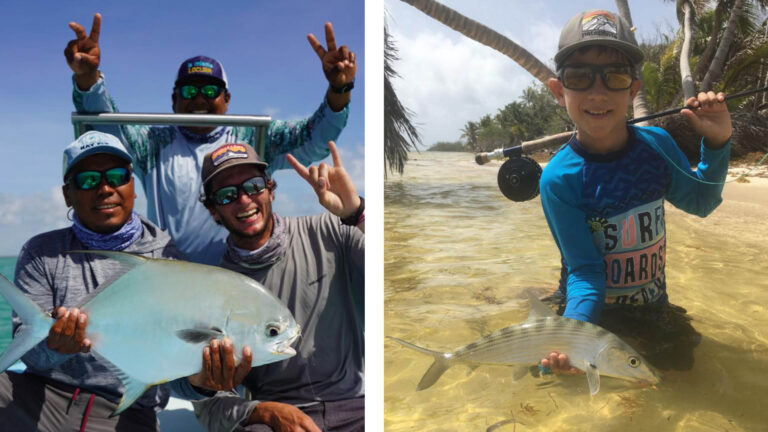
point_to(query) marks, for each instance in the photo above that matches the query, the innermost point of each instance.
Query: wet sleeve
(223, 412)
(697, 192)
(135, 137)
(307, 139)
(32, 279)
(560, 193)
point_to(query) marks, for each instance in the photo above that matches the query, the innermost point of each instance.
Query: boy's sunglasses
(87, 180)
(209, 91)
(582, 76)
(229, 194)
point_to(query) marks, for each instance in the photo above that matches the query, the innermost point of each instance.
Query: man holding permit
(64, 387)
(315, 265)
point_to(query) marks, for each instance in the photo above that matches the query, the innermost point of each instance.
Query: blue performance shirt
(606, 214)
(168, 160)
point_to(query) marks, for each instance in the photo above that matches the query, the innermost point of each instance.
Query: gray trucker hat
(597, 27)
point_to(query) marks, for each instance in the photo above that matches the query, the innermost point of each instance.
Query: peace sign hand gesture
(333, 186)
(339, 64)
(83, 53)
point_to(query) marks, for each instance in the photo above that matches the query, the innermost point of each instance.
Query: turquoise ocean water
(7, 264)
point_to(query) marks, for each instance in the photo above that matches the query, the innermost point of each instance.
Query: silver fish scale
(529, 342)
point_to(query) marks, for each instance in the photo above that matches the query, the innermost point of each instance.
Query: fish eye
(273, 330)
(634, 362)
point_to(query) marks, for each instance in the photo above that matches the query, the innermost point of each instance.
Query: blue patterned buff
(116, 241)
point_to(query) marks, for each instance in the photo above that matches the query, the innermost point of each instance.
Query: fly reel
(518, 178)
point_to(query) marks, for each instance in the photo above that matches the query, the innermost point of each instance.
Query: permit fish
(150, 324)
(589, 347)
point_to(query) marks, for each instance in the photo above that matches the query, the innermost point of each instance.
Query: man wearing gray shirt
(315, 265)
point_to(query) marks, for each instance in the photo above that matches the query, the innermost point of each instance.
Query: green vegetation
(456, 146)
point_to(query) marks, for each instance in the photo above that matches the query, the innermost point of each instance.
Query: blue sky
(262, 44)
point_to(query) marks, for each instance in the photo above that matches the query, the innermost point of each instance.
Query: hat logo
(227, 152)
(599, 23)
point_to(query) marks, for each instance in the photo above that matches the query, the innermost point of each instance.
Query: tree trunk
(640, 103)
(689, 90)
(485, 35)
(715, 70)
(706, 56)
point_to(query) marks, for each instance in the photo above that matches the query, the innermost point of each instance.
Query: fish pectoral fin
(199, 334)
(593, 377)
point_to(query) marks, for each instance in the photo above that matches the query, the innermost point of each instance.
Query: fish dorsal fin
(124, 262)
(199, 334)
(593, 377)
(538, 309)
(133, 387)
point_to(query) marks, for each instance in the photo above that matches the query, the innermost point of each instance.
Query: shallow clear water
(458, 257)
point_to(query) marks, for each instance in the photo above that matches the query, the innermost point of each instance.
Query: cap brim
(632, 51)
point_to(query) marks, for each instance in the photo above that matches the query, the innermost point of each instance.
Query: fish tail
(441, 364)
(34, 328)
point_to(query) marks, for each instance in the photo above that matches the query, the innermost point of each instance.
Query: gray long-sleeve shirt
(53, 278)
(320, 277)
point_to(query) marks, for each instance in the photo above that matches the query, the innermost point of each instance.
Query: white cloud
(22, 217)
(447, 83)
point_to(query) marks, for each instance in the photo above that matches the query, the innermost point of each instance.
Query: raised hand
(339, 64)
(83, 54)
(709, 116)
(67, 334)
(333, 187)
(219, 371)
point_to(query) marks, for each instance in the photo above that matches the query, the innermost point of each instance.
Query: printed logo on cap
(227, 152)
(200, 67)
(598, 23)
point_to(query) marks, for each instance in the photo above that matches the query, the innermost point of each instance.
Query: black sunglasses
(87, 180)
(229, 194)
(209, 91)
(579, 77)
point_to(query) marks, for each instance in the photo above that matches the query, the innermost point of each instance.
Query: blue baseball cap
(91, 143)
(201, 66)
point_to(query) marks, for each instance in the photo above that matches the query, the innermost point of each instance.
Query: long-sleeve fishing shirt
(52, 278)
(317, 271)
(168, 159)
(606, 214)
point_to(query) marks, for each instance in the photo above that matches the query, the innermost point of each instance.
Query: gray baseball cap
(597, 27)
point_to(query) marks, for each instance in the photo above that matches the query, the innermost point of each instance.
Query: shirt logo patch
(227, 152)
(598, 23)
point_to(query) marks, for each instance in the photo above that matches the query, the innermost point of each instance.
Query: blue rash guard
(606, 214)
(168, 160)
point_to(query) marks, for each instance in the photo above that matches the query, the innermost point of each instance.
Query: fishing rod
(518, 176)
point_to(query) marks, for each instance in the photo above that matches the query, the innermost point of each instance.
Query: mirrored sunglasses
(87, 180)
(581, 77)
(209, 91)
(229, 194)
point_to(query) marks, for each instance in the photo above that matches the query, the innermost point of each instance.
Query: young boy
(603, 193)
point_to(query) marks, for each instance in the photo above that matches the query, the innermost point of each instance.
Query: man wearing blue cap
(64, 386)
(168, 159)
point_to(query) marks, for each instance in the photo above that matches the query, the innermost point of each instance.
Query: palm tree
(469, 133)
(640, 103)
(400, 135)
(689, 90)
(715, 70)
